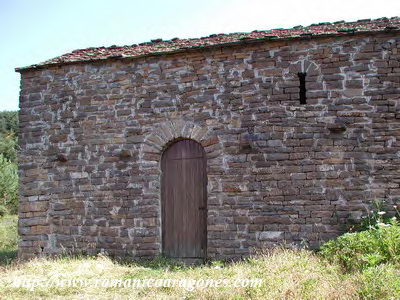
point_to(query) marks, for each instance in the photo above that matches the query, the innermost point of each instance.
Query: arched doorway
(184, 200)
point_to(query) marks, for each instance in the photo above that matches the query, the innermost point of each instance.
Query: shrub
(377, 215)
(356, 251)
(8, 186)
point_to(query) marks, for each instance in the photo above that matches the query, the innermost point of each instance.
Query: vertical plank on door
(184, 200)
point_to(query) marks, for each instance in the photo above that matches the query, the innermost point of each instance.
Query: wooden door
(184, 200)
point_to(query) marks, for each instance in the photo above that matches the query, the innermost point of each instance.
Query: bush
(357, 251)
(377, 215)
(8, 186)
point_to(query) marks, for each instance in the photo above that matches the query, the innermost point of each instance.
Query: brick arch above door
(165, 133)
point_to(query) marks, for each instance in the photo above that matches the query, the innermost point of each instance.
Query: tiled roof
(159, 46)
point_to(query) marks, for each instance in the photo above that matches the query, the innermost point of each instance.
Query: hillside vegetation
(8, 163)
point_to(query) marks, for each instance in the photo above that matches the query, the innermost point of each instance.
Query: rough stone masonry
(94, 124)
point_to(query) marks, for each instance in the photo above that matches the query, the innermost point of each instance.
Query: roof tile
(176, 44)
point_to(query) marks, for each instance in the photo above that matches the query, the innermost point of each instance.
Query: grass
(282, 274)
(380, 282)
(8, 239)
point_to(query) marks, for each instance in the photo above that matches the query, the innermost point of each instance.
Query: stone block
(271, 235)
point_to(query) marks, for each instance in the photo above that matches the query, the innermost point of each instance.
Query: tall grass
(284, 274)
(8, 238)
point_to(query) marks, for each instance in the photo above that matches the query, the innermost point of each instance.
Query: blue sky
(32, 31)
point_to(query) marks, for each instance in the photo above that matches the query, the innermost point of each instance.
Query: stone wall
(92, 136)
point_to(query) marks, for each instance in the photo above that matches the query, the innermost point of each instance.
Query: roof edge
(213, 46)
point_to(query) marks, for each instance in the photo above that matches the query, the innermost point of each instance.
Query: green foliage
(9, 122)
(8, 162)
(380, 282)
(8, 238)
(377, 216)
(357, 251)
(8, 186)
(8, 147)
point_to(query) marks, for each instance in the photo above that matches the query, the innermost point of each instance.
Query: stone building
(210, 147)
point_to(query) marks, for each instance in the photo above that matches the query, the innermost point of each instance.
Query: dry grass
(285, 274)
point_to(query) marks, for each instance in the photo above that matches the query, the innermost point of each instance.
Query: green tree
(9, 122)
(8, 186)
(8, 134)
(8, 162)
(8, 146)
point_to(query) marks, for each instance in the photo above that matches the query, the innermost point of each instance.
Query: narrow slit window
(302, 93)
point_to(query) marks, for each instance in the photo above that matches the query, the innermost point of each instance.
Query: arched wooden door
(184, 200)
